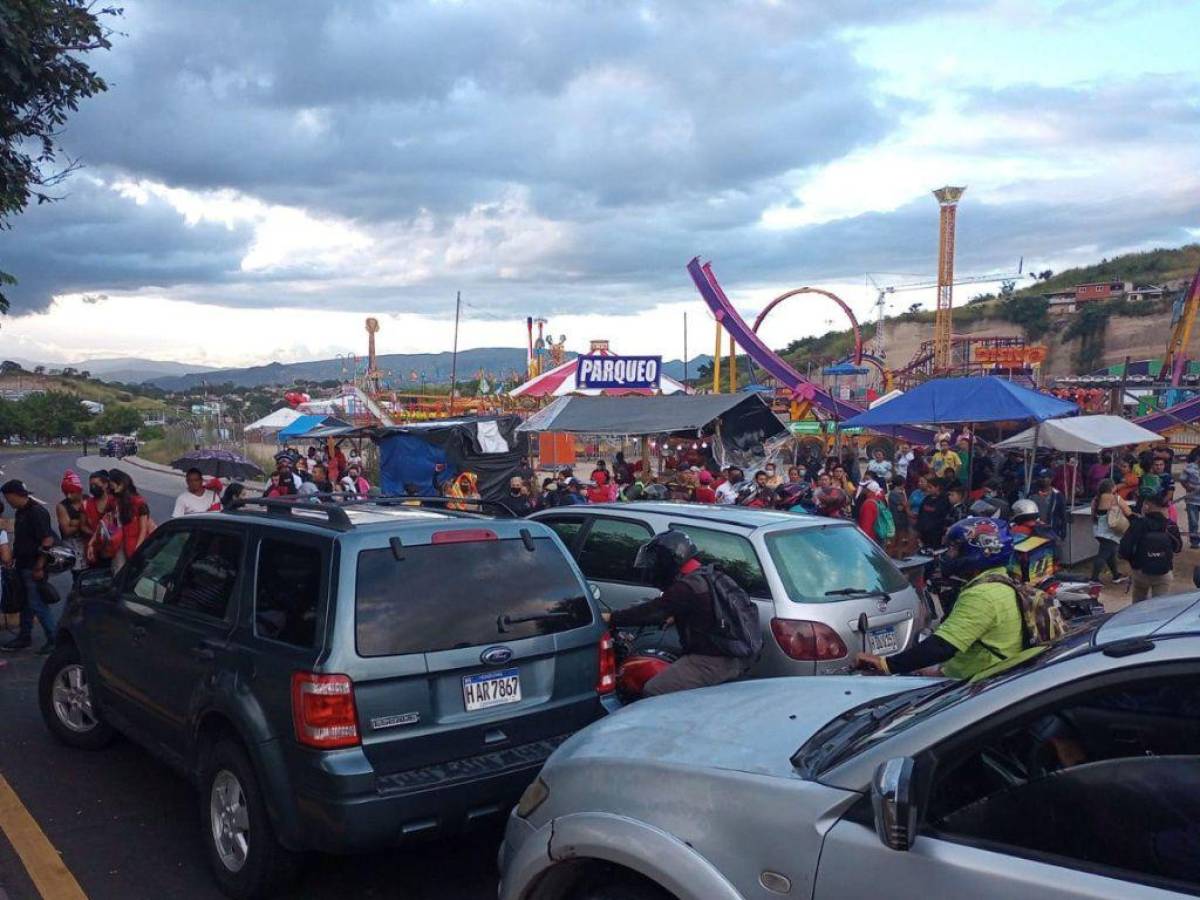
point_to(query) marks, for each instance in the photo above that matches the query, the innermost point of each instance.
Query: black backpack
(1155, 554)
(737, 633)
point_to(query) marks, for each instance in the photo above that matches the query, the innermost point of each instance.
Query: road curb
(139, 463)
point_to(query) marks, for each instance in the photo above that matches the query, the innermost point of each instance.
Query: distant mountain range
(132, 370)
(430, 368)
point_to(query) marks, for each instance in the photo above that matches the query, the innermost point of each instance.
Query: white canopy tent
(1082, 434)
(274, 421)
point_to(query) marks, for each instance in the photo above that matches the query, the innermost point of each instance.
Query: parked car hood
(749, 726)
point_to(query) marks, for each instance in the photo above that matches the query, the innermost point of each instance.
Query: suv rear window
(811, 562)
(448, 596)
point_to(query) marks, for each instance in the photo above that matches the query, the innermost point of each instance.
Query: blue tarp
(303, 425)
(406, 459)
(984, 398)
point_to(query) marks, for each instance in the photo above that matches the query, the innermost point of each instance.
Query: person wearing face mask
(132, 513)
(518, 501)
(71, 521)
(96, 506)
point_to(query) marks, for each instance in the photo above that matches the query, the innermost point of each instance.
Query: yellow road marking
(46, 869)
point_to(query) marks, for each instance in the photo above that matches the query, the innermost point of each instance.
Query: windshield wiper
(852, 726)
(856, 592)
(502, 622)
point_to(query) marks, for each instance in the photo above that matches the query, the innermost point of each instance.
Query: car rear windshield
(447, 596)
(820, 565)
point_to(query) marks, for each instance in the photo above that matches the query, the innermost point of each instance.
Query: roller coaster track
(801, 388)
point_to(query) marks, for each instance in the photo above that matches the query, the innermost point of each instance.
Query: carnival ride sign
(1010, 357)
(615, 372)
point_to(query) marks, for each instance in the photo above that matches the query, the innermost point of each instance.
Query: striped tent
(560, 381)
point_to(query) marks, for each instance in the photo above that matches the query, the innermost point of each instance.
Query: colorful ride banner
(609, 372)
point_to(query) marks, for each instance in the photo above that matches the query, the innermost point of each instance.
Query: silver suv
(1070, 772)
(814, 579)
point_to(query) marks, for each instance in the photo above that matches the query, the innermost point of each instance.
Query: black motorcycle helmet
(663, 555)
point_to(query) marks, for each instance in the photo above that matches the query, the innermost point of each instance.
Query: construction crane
(1175, 360)
(877, 343)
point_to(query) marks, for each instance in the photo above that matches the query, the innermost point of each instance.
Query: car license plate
(882, 640)
(488, 689)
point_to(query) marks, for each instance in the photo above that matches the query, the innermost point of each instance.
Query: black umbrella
(218, 463)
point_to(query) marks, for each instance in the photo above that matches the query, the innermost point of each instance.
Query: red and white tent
(560, 381)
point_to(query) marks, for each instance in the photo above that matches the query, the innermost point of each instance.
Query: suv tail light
(606, 683)
(323, 710)
(807, 640)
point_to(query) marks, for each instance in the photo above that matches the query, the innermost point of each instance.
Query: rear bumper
(341, 806)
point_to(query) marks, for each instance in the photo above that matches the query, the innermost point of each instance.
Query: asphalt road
(127, 827)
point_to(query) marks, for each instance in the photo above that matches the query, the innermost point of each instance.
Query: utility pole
(685, 356)
(454, 355)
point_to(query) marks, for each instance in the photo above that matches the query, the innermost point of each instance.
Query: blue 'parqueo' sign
(618, 372)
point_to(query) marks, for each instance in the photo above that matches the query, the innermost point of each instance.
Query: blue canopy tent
(303, 425)
(985, 398)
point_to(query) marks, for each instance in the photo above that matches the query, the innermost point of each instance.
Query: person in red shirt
(870, 494)
(704, 492)
(601, 491)
(132, 512)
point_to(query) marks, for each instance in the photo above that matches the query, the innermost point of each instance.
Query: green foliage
(42, 80)
(42, 417)
(120, 419)
(1152, 266)
(151, 433)
(1031, 313)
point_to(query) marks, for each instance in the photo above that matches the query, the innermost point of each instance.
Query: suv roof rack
(335, 505)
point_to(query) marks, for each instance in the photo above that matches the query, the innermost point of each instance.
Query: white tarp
(890, 395)
(275, 421)
(490, 438)
(1082, 434)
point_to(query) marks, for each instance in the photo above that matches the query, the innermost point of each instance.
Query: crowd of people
(908, 499)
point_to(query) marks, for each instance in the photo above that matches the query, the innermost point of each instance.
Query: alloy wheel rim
(72, 700)
(230, 820)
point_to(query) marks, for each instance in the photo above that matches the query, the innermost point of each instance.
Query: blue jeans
(34, 606)
(1193, 514)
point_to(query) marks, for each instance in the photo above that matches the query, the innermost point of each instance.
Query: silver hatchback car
(1068, 772)
(824, 590)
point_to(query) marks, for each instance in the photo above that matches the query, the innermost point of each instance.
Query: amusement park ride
(946, 354)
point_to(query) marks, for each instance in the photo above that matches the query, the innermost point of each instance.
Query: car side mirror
(95, 582)
(1196, 576)
(894, 801)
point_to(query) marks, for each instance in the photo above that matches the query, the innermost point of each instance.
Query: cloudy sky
(263, 175)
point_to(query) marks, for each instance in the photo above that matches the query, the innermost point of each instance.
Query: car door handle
(201, 652)
(138, 631)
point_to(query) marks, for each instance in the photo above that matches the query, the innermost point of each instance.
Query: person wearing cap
(704, 492)
(72, 522)
(32, 533)
(869, 495)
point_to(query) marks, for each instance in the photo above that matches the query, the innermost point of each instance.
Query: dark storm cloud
(93, 238)
(648, 132)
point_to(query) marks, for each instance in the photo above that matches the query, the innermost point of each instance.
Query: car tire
(66, 702)
(622, 889)
(246, 858)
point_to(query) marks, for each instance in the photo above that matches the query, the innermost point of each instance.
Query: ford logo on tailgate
(495, 656)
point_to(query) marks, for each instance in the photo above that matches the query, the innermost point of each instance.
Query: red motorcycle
(637, 665)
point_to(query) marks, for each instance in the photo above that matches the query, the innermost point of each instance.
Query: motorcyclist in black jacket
(669, 558)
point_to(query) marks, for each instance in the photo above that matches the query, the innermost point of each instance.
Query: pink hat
(71, 483)
(705, 476)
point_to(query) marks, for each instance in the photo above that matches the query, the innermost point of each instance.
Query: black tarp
(744, 413)
(743, 427)
(428, 454)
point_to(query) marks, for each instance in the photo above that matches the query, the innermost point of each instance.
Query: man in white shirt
(195, 499)
(903, 457)
(727, 493)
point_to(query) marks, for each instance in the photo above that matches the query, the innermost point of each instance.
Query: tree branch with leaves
(43, 78)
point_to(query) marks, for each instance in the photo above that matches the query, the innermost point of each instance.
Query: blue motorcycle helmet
(976, 544)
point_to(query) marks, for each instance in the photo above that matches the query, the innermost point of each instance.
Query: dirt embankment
(1143, 337)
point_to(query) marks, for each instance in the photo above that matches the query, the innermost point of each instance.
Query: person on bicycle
(984, 627)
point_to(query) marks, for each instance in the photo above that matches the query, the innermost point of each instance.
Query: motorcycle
(637, 665)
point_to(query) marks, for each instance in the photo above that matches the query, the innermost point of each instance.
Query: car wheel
(247, 859)
(622, 889)
(68, 708)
